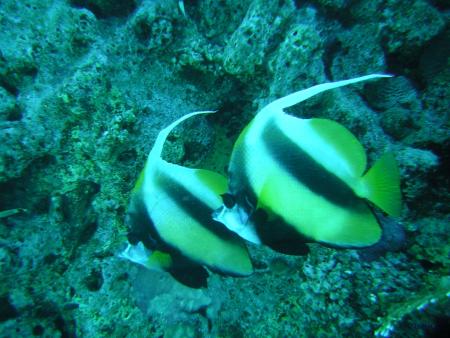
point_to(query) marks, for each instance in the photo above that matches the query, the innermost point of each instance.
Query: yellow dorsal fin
(381, 185)
(214, 181)
(344, 143)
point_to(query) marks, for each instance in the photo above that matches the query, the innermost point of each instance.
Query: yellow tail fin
(382, 185)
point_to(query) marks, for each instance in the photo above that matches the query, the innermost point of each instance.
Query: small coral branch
(439, 295)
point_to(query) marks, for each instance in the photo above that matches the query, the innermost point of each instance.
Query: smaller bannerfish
(170, 218)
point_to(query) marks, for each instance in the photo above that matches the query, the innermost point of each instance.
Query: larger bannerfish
(294, 180)
(170, 218)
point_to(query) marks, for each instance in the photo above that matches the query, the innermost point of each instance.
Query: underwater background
(85, 87)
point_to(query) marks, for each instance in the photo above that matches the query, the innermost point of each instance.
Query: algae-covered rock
(107, 8)
(333, 4)
(246, 49)
(86, 86)
(218, 21)
(298, 59)
(9, 111)
(360, 51)
(418, 167)
(430, 241)
(410, 25)
(399, 105)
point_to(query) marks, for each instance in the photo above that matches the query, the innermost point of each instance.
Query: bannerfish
(293, 181)
(170, 218)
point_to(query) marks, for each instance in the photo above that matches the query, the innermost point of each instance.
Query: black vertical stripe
(306, 170)
(192, 205)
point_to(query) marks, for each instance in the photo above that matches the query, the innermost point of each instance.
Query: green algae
(87, 85)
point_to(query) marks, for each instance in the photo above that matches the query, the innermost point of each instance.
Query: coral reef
(85, 87)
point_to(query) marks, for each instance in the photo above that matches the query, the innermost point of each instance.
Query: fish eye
(228, 200)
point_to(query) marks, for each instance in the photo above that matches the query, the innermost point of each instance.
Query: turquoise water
(86, 87)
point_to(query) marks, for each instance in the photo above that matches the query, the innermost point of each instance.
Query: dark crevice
(429, 266)
(106, 9)
(18, 193)
(7, 310)
(441, 5)
(88, 231)
(441, 179)
(330, 53)
(442, 325)
(14, 115)
(13, 90)
(66, 327)
(38, 330)
(94, 280)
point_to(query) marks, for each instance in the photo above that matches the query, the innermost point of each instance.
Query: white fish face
(237, 220)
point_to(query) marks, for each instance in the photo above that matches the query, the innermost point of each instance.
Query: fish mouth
(237, 220)
(234, 215)
(217, 214)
